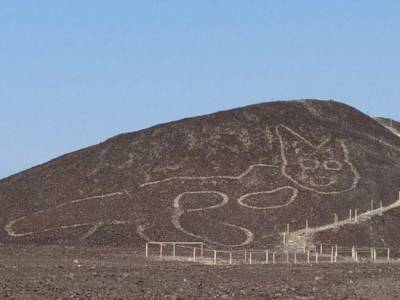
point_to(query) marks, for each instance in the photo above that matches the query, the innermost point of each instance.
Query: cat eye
(309, 163)
(332, 165)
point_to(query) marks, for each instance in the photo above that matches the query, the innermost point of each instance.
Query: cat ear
(292, 143)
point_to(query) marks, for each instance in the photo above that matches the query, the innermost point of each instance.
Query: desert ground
(81, 272)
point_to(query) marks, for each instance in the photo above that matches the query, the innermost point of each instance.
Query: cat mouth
(322, 181)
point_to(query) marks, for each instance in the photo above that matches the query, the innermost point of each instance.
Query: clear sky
(73, 72)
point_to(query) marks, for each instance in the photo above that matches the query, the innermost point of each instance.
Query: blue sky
(73, 73)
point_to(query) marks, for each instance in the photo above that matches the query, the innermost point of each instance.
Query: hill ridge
(233, 178)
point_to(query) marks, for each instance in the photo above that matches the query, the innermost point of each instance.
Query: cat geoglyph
(323, 168)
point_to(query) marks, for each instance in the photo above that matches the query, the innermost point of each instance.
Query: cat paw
(273, 199)
(195, 214)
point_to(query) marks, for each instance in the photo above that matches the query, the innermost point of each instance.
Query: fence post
(336, 253)
(320, 249)
(287, 257)
(355, 215)
(173, 249)
(316, 257)
(161, 250)
(250, 258)
(295, 257)
(273, 257)
(147, 249)
(381, 208)
(306, 227)
(266, 256)
(284, 238)
(336, 218)
(230, 257)
(356, 254)
(350, 214)
(388, 254)
(245, 255)
(194, 253)
(308, 256)
(371, 251)
(215, 257)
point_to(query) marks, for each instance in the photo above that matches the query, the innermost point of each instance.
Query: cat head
(323, 168)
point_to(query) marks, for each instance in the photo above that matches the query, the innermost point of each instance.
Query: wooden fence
(321, 253)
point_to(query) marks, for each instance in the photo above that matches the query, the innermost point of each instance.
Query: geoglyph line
(11, 232)
(140, 229)
(293, 197)
(178, 211)
(92, 230)
(175, 218)
(249, 169)
(285, 162)
(225, 200)
(331, 226)
(9, 226)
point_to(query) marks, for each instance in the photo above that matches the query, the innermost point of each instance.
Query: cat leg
(193, 215)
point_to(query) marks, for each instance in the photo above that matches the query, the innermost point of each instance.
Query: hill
(232, 179)
(390, 124)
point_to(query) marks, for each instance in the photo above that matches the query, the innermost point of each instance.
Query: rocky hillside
(232, 179)
(390, 124)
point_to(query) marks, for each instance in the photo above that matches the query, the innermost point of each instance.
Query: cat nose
(322, 181)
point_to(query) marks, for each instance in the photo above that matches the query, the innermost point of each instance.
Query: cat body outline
(295, 151)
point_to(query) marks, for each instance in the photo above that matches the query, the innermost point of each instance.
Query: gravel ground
(113, 273)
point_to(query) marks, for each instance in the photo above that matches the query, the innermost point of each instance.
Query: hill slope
(392, 125)
(232, 179)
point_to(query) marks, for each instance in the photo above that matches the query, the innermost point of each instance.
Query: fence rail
(322, 253)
